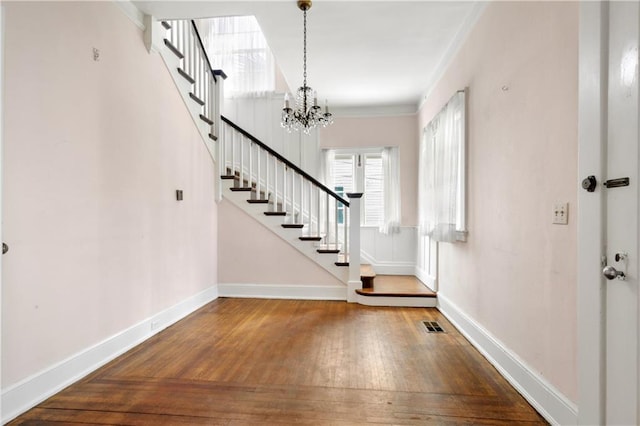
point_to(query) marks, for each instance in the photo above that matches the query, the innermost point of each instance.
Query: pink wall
(249, 253)
(516, 275)
(93, 154)
(364, 132)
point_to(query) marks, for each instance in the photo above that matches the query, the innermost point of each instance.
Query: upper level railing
(184, 39)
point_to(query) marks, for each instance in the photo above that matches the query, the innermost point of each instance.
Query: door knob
(610, 273)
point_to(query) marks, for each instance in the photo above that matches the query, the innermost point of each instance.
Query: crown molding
(453, 49)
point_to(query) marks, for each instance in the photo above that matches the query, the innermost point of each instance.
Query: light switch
(561, 213)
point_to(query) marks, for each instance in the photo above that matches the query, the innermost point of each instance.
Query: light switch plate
(561, 213)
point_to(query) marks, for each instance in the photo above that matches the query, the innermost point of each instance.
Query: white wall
(260, 116)
(94, 151)
(389, 254)
(250, 253)
(516, 275)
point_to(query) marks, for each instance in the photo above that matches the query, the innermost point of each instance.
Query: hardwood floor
(249, 361)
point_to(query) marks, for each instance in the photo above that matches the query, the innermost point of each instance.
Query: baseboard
(31, 391)
(388, 268)
(547, 400)
(426, 278)
(281, 291)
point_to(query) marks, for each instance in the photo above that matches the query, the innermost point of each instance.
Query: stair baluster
(291, 191)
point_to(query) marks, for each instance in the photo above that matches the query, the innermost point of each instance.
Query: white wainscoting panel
(393, 254)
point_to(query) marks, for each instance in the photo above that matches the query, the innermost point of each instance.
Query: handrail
(284, 160)
(204, 51)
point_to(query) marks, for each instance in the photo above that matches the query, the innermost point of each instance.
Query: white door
(608, 317)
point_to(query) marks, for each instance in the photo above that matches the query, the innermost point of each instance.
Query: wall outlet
(561, 213)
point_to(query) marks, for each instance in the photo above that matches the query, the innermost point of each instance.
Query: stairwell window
(442, 173)
(237, 45)
(368, 171)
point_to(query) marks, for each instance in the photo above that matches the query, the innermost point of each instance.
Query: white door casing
(608, 222)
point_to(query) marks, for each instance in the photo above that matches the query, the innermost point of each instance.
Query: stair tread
(206, 119)
(293, 225)
(258, 201)
(309, 238)
(241, 189)
(196, 98)
(166, 25)
(186, 76)
(342, 263)
(366, 270)
(398, 286)
(173, 48)
(228, 177)
(275, 213)
(328, 251)
(213, 137)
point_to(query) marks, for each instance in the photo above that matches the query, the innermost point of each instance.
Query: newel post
(217, 101)
(354, 250)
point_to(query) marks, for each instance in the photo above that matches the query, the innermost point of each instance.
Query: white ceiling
(360, 54)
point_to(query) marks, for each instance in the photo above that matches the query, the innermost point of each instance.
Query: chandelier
(305, 116)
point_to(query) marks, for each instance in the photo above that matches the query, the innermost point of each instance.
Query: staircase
(281, 196)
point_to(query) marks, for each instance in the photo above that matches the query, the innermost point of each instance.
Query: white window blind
(361, 172)
(373, 190)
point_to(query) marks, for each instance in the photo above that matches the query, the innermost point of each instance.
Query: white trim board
(428, 279)
(283, 291)
(548, 401)
(31, 391)
(388, 268)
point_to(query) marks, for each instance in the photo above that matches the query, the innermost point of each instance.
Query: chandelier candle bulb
(286, 100)
(315, 98)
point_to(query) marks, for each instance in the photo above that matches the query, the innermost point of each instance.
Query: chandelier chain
(306, 115)
(305, 49)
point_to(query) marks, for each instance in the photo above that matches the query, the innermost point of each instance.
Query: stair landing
(397, 285)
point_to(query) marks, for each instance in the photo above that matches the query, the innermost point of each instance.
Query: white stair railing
(184, 40)
(323, 216)
(288, 191)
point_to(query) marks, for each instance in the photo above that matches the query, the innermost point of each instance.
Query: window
(236, 45)
(442, 173)
(361, 171)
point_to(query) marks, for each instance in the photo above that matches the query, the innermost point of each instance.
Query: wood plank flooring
(249, 361)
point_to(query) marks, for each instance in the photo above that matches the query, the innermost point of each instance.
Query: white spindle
(345, 220)
(258, 172)
(241, 160)
(336, 224)
(318, 217)
(275, 184)
(266, 184)
(327, 228)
